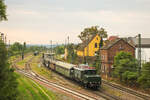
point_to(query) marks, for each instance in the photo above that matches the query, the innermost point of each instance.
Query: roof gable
(112, 43)
(86, 43)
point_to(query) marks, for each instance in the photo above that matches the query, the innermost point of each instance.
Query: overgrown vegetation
(144, 79)
(72, 55)
(8, 83)
(59, 49)
(21, 49)
(3, 15)
(88, 32)
(126, 69)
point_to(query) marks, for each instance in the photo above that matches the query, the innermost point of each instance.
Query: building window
(95, 45)
(95, 53)
(97, 38)
(104, 69)
(121, 47)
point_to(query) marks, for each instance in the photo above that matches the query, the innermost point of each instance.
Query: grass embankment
(38, 68)
(30, 90)
(21, 64)
(13, 58)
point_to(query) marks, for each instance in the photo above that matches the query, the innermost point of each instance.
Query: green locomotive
(83, 74)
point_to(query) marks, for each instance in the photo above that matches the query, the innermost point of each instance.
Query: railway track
(106, 95)
(102, 96)
(130, 91)
(99, 93)
(59, 87)
(30, 74)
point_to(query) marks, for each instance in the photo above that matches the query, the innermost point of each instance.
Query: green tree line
(126, 70)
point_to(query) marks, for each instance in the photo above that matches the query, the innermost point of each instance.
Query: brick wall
(107, 55)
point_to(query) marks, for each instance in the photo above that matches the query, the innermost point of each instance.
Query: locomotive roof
(63, 64)
(82, 69)
(69, 66)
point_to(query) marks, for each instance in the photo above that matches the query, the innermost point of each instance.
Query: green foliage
(144, 79)
(35, 48)
(8, 83)
(130, 77)
(19, 49)
(87, 32)
(60, 49)
(29, 90)
(3, 15)
(98, 64)
(15, 49)
(72, 55)
(125, 67)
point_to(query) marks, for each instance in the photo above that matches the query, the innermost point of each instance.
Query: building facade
(89, 47)
(110, 50)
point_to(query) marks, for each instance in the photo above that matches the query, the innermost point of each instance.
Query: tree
(88, 32)
(15, 49)
(125, 67)
(2, 11)
(8, 83)
(72, 55)
(144, 79)
(60, 49)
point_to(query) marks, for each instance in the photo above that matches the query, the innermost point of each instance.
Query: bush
(144, 79)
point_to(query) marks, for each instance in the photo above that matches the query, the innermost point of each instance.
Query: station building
(110, 50)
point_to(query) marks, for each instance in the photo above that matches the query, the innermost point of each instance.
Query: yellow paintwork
(66, 53)
(90, 49)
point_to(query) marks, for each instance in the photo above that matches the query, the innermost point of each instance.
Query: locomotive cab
(91, 79)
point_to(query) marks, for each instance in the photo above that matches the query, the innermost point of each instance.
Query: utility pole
(139, 54)
(23, 50)
(68, 50)
(5, 41)
(68, 40)
(51, 47)
(9, 44)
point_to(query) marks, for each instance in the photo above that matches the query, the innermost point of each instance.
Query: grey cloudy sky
(39, 21)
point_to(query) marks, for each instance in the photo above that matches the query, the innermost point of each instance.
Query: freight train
(83, 74)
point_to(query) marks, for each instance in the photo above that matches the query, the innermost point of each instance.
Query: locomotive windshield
(90, 72)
